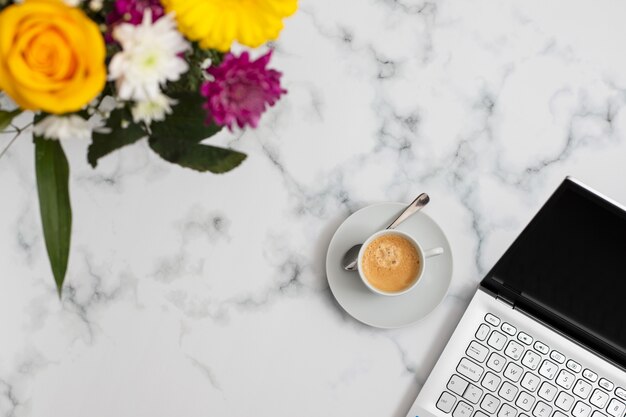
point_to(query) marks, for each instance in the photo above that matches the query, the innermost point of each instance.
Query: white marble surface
(200, 295)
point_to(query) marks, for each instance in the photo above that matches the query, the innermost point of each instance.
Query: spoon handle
(416, 205)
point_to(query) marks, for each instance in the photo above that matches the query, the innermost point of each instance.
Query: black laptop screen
(570, 261)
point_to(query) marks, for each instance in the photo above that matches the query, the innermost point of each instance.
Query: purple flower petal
(241, 90)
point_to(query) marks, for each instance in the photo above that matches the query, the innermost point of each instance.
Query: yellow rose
(51, 56)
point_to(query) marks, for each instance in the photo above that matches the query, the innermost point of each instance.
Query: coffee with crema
(390, 263)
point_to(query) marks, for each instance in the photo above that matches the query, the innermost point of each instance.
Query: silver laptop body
(542, 345)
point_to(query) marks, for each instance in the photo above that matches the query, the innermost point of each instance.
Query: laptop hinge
(500, 291)
(507, 295)
(505, 300)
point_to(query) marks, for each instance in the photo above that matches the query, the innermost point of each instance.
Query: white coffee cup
(422, 255)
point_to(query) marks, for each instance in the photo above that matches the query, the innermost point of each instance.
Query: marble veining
(199, 295)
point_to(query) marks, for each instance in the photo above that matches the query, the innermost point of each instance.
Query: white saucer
(378, 310)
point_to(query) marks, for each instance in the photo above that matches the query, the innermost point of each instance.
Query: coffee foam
(390, 263)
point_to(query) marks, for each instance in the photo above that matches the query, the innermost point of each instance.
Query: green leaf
(103, 144)
(52, 172)
(6, 117)
(187, 120)
(177, 139)
(196, 156)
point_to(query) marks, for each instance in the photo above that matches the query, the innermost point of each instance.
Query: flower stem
(18, 131)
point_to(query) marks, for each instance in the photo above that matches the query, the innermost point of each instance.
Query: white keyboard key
(548, 369)
(581, 410)
(508, 391)
(606, 384)
(470, 370)
(490, 404)
(616, 408)
(582, 389)
(599, 398)
(473, 394)
(524, 338)
(496, 362)
(477, 351)
(482, 332)
(457, 385)
(621, 393)
(598, 414)
(497, 340)
(547, 391)
(508, 329)
(446, 402)
(542, 410)
(531, 360)
(463, 410)
(557, 356)
(565, 379)
(530, 382)
(491, 319)
(525, 401)
(541, 347)
(480, 414)
(590, 375)
(491, 381)
(507, 411)
(514, 350)
(557, 413)
(513, 372)
(574, 366)
(564, 401)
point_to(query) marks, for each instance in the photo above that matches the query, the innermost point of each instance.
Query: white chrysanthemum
(64, 127)
(149, 57)
(154, 109)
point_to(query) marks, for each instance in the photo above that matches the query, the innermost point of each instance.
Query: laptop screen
(570, 263)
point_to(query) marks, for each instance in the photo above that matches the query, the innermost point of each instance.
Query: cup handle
(433, 252)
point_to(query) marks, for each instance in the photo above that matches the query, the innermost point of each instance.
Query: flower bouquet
(118, 71)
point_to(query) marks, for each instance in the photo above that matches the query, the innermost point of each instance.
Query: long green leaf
(102, 144)
(52, 172)
(6, 117)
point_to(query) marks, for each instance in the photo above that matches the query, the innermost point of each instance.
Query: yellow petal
(218, 23)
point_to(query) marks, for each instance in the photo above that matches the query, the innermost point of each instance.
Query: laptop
(545, 334)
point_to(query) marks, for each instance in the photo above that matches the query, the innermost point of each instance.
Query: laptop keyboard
(507, 373)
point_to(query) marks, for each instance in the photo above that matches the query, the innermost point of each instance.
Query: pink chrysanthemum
(240, 90)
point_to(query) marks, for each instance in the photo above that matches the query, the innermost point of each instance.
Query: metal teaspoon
(349, 261)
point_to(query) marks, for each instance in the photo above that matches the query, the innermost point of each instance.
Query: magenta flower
(241, 90)
(131, 11)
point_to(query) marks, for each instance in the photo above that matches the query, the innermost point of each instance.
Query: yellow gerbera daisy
(215, 24)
